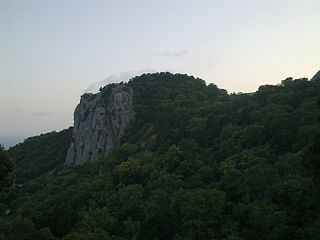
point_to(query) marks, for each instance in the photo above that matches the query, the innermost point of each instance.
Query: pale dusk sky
(52, 51)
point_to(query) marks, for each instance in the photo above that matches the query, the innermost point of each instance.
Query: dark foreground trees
(6, 169)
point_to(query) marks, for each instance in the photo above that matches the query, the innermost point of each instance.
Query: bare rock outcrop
(316, 77)
(99, 122)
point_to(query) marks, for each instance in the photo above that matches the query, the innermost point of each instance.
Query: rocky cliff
(99, 122)
(316, 77)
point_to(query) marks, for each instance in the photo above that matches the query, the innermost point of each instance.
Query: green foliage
(7, 176)
(196, 163)
(200, 211)
(38, 155)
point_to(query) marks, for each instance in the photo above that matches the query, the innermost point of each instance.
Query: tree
(201, 211)
(6, 170)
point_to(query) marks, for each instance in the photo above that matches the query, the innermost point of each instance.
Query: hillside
(195, 163)
(38, 155)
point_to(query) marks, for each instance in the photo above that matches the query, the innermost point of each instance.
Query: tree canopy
(196, 163)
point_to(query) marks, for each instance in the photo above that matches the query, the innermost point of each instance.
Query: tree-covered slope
(7, 176)
(40, 154)
(196, 163)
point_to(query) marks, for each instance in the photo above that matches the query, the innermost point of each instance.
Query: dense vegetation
(196, 163)
(38, 155)
(7, 176)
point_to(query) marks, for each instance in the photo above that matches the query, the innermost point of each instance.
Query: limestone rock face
(316, 77)
(99, 122)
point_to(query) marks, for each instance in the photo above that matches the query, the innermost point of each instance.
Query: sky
(52, 51)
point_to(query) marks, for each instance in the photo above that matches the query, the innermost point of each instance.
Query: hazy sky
(51, 51)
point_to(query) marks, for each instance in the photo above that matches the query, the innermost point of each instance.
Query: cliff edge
(99, 122)
(316, 77)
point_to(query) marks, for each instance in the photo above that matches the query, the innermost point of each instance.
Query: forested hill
(196, 163)
(39, 155)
